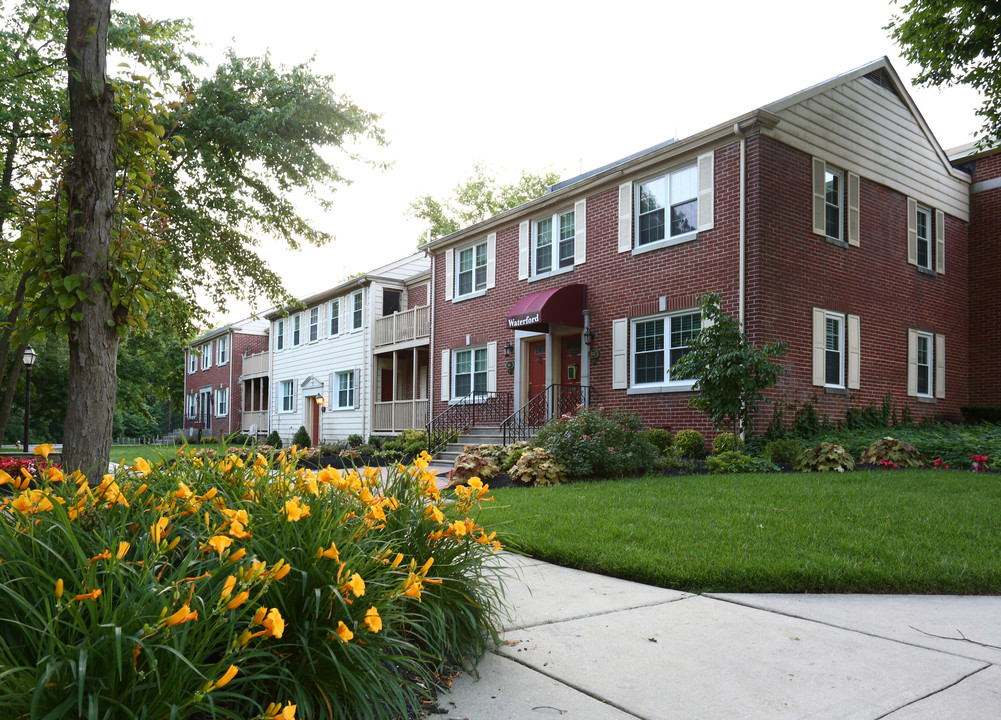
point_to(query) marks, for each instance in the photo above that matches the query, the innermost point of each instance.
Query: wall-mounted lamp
(508, 349)
(322, 402)
(588, 336)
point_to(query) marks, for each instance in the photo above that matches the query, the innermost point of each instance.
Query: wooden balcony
(402, 327)
(256, 364)
(255, 417)
(399, 415)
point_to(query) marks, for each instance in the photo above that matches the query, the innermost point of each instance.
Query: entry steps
(444, 461)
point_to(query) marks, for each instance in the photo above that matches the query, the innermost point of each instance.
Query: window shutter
(523, 250)
(912, 362)
(819, 205)
(940, 242)
(819, 346)
(446, 376)
(580, 228)
(620, 353)
(357, 389)
(912, 231)
(939, 366)
(449, 273)
(331, 393)
(492, 366)
(706, 209)
(854, 352)
(625, 217)
(853, 209)
(491, 260)
(295, 394)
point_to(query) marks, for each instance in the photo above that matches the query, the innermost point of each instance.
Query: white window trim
(206, 355)
(361, 324)
(296, 329)
(334, 310)
(282, 396)
(624, 353)
(449, 364)
(456, 296)
(192, 361)
(334, 403)
(280, 335)
(936, 363)
(192, 406)
(851, 355)
(224, 394)
(311, 326)
(842, 349)
(554, 267)
(668, 240)
(920, 210)
(222, 351)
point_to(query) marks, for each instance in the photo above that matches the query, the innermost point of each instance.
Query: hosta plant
(471, 464)
(538, 467)
(730, 462)
(825, 457)
(895, 452)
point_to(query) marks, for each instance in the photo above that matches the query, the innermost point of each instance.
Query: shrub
(413, 441)
(472, 464)
(976, 414)
(725, 442)
(596, 442)
(896, 452)
(730, 461)
(535, 466)
(274, 440)
(689, 444)
(492, 452)
(207, 440)
(330, 449)
(826, 456)
(301, 438)
(512, 453)
(376, 441)
(786, 450)
(659, 438)
(366, 587)
(355, 440)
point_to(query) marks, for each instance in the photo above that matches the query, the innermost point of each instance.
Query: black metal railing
(477, 408)
(554, 401)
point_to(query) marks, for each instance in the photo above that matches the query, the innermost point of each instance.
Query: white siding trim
(854, 191)
(620, 353)
(819, 346)
(449, 273)
(523, 249)
(939, 365)
(819, 202)
(706, 206)
(940, 242)
(625, 217)
(491, 260)
(580, 230)
(854, 342)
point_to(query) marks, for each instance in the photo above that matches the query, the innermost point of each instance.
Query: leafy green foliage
(955, 43)
(478, 198)
(535, 466)
(729, 370)
(512, 453)
(825, 457)
(474, 462)
(660, 438)
(786, 450)
(355, 440)
(595, 442)
(689, 444)
(974, 414)
(729, 462)
(273, 440)
(898, 452)
(301, 438)
(727, 441)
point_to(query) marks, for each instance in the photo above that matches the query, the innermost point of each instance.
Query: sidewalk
(587, 647)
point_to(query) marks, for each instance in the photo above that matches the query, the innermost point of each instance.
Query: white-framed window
(553, 242)
(925, 364)
(192, 361)
(471, 269)
(667, 207)
(314, 324)
(657, 344)
(297, 330)
(357, 305)
(335, 317)
(344, 390)
(222, 351)
(925, 237)
(836, 197)
(287, 394)
(834, 350)
(192, 407)
(469, 371)
(923, 229)
(222, 402)
(924, 360)
(206, 356)
(834, 202)
(279, 335)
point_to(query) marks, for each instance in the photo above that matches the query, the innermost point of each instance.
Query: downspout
(231, 409)
(433, 368)
(742, 281)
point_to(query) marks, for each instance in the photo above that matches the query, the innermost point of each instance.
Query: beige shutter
(853, 209)
(706, 209)
(819, 346)
(491, 260)
(446, 376)
(912, 362)
(449, 273)
(357, 387)
(819, 202)
(939, 366)
(912, 231)
(625, 217)
(854, 352)
(620, 353)
(580, 230)
(492, 366)
(940, 242)
(523, 250)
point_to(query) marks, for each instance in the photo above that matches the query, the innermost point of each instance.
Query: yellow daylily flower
(44, 450)
(181, 616)
(276, 712)
(238, 600)
(372, 620)
(227, 588)
(142, 467)
(294, 511)
(343, 632)
(219, 543)
(356, 585)
(59, 588)
(226, 677)
(274, 623)
(330, 552)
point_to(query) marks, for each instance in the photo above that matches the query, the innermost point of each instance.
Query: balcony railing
(399, 415)
(255, 417)
(256, 364)
(403, 326)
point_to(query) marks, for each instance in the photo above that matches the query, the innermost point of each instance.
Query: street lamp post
(29, 359)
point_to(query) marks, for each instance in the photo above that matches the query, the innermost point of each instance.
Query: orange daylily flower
(142, 467)
(59, 588)
(123, 547)
(343, 632)
(356, 585)
(227, 588)
(372, 620)
(106, 555)
(181, 616)
(44, 450)
(226, 677)
(219, 543)
(238, 600)
(92, 595)
(330, 552)
(277, 712)
(274, 623)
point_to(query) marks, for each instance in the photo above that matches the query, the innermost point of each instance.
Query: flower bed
(238, 588)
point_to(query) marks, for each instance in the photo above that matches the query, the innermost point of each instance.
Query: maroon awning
(563, 306)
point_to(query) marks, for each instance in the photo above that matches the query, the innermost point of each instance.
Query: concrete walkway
(587, 647)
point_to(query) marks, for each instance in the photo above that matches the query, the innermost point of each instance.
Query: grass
(150, 453)
(902, 531)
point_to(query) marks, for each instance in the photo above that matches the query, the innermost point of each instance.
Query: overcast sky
(535, 85)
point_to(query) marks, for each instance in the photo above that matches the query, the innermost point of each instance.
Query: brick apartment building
(831, 220)
(214, 396)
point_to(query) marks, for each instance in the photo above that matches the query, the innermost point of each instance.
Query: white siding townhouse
(354, 358)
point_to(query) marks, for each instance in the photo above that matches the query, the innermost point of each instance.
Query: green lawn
(151, 453)
(902, 531)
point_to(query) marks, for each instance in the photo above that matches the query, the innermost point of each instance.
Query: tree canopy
(955, 42)
(477, 198)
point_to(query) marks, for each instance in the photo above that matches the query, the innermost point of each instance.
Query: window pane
(650, 336)
(684, 218)
(544, 232)
(463, 361)
(566, 226)
(684, 329)
(466, 283)
(566, 252)
(649, 354)
(650, 367)
(832, 195)
(833, 334)
(481, 255)
(651, 227)
(924, 239)
(832, 371)
(922, 350)
(481, 277)
(481, 360)
(462, 387)
(653, 196)
(923, 375)
(466, 260)
(480, 382)
(684, 185)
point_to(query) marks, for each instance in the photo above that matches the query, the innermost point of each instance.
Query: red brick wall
(791, 270)
(985, 286)
(218, 376)
(417, 296)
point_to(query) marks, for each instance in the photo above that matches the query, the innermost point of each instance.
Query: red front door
(537, 382)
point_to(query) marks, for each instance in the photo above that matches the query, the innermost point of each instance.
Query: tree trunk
(93, 338)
